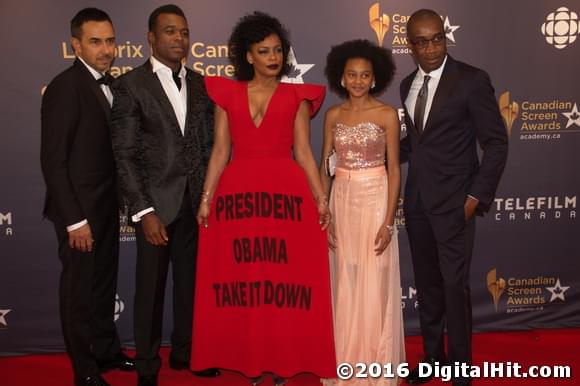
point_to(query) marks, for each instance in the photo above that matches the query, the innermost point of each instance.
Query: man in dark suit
(162, 125)
(82, 198)
(449, 108)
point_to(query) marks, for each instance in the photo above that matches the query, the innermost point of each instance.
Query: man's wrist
(77, 225)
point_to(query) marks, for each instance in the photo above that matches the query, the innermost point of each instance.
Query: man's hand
(469, 207)
(81, 239)
(154, 230)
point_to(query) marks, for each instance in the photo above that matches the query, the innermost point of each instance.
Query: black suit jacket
(444, 166)
(154, 159)
(76, 152)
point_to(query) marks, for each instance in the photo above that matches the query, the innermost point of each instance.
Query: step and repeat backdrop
(526, 264)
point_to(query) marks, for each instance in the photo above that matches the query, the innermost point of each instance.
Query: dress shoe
(119, 362)
(95, 380)
(207, 373)
(415, 378)
(279, 381)
(147, 380)
(255, 381)
(174, 364)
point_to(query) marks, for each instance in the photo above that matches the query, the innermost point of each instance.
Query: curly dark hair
(380, 58)
(251, 29)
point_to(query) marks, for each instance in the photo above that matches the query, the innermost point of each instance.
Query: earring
(373, 84)
(342, 83)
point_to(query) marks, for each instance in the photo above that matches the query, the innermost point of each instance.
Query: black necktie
(420, 104)
(177, 80)
(106, 79)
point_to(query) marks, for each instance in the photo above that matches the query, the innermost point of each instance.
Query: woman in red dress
(263, 299)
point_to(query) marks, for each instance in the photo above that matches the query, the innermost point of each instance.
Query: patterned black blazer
(154, 159)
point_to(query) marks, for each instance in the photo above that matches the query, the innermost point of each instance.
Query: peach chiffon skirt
(368, 320)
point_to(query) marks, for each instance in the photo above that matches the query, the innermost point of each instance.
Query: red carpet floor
(543, 348)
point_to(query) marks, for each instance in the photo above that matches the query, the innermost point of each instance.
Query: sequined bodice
(359, 147)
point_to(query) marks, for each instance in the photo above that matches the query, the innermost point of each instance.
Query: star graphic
(573, 117)
(3, 314)
(557, 291)
(297, 71)
(449, 29)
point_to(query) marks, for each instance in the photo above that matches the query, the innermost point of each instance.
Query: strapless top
(360, 146)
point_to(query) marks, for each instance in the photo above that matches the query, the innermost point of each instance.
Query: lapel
(446, 85)
(192, 115)
(91, 82)
(405, 87)
(157, 91)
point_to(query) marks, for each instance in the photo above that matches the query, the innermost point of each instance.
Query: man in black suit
(449, 108)
(162, 125)
(82, 198)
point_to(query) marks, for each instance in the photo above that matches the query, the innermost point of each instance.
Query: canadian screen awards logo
(561, 28)
(6, 223)
(212, 60)
(3, 319)
(525, 294)
(126, 231)
(544, 120)
(119, 307)
(297, 70)
(381, 23)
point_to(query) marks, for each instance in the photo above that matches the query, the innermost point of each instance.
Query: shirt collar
(435, 74)
(158, 66)
(97, 75)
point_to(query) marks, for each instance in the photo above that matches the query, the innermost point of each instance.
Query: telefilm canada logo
(561, 28)
(525, 294)
(539, 120)
(409, 298)
(535, 208)
(381, 23)
(6, 224)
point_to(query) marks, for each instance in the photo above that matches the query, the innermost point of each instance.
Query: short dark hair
(380, 58)
(422, 14)
(85, 15)
(251, 29)
(168, 8)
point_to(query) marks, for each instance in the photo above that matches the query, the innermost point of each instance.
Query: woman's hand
(331, 236)
(323, 212)
(384, 236)
(203, 213)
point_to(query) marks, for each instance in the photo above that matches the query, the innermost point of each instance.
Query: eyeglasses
(437, 40)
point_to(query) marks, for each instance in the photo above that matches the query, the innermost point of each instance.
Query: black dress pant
(88, 284)
(441, 250)
(152, 267)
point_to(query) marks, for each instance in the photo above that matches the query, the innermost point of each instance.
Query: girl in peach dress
(364, 253)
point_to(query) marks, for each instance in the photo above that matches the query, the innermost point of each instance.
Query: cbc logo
(119, 307)
(561, 28)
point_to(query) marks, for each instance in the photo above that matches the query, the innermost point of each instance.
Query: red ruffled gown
(263, 297)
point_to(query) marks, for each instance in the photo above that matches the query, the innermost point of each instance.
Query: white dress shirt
(177, 97)
(106, 89)
(109, 96)
(178, 100)
(431, 87)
